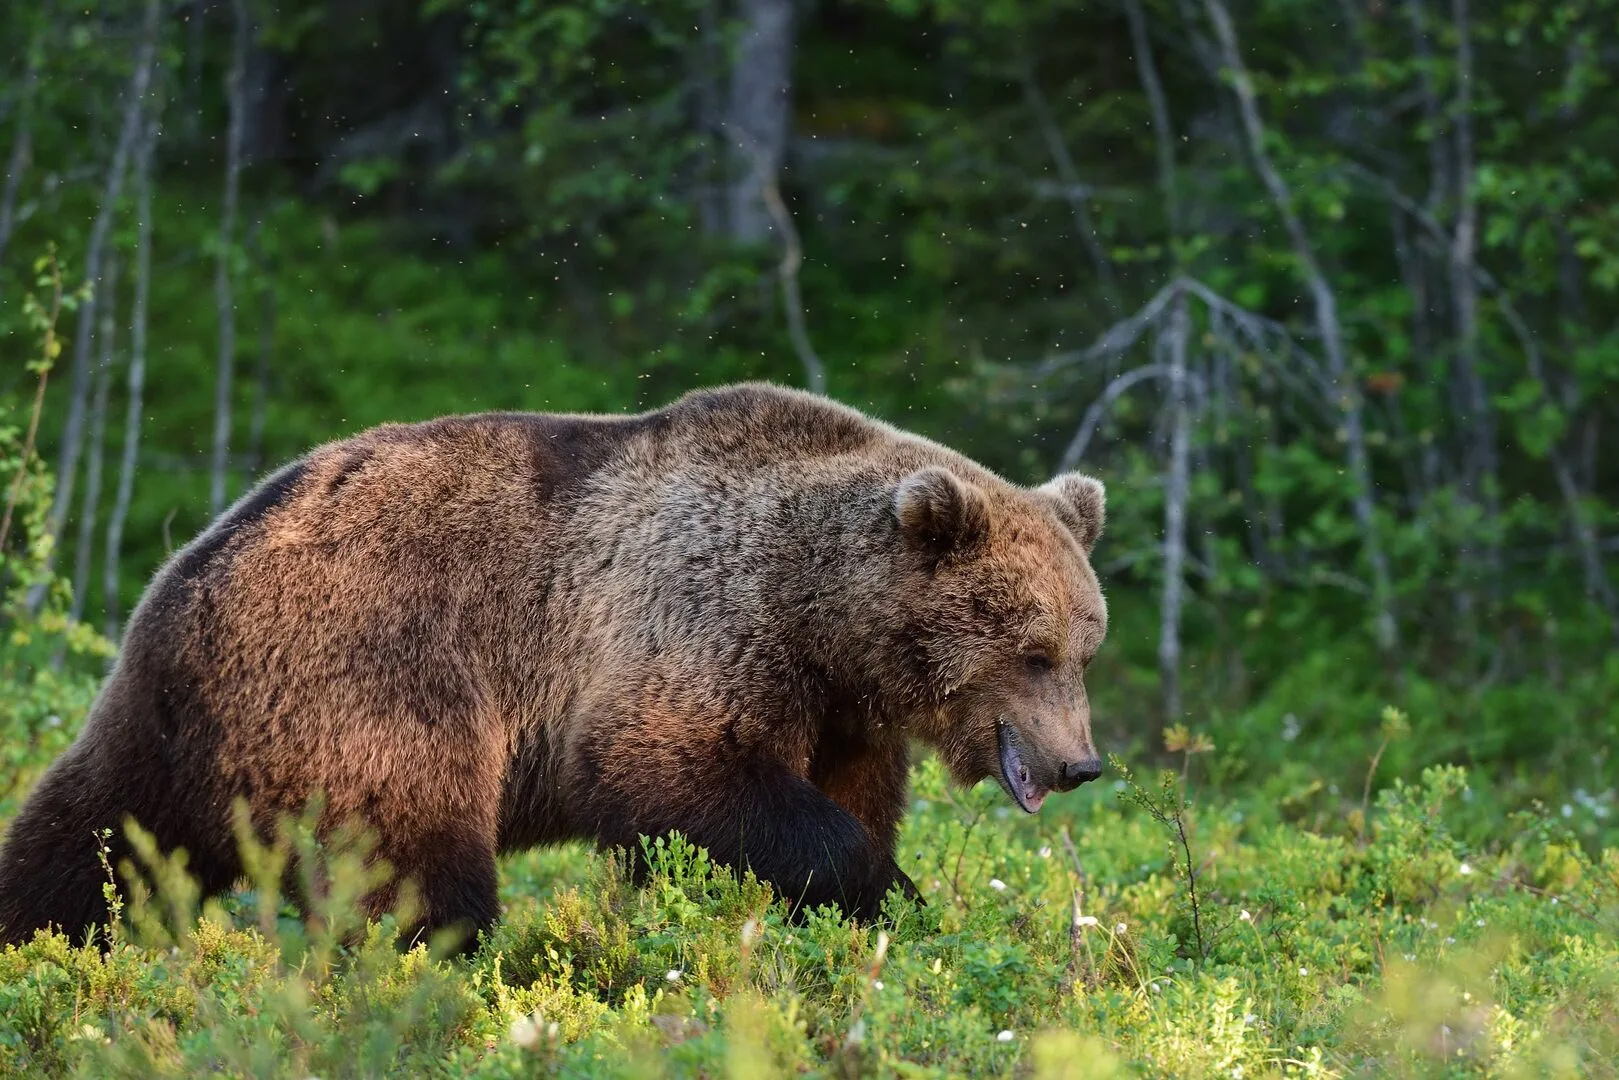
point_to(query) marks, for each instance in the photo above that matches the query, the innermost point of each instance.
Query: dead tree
(1327, 325)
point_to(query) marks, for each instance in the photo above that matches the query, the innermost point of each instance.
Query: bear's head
(1003, 614)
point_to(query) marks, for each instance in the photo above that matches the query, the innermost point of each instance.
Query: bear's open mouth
(1015, 774)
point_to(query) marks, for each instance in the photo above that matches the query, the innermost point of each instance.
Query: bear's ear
(941, 514)
(1081, 502)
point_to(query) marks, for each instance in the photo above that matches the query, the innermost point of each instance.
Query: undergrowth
(1055, 946)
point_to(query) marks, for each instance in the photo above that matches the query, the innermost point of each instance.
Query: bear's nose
(1082, 772)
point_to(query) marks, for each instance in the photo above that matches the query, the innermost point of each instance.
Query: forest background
(1325, 292)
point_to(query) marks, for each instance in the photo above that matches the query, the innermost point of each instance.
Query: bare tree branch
(1075, 453)
(792, 257)
(1117, 338)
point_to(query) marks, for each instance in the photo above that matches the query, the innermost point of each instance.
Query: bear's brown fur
(481, 633)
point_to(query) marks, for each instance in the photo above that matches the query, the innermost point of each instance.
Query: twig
(1093, 415)
(792, 257)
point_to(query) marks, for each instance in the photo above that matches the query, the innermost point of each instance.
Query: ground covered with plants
(1142, 928)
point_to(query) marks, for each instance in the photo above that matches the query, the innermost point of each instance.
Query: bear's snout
(1071, 774)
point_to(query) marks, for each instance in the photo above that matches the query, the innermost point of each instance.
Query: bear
(729, 616)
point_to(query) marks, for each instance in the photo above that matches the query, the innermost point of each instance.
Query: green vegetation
(1327, 294)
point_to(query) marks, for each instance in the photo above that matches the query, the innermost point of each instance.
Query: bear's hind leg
(50, 869)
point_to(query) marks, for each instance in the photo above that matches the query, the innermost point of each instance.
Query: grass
(1060, 945)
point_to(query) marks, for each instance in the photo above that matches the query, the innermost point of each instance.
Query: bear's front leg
(757, 814)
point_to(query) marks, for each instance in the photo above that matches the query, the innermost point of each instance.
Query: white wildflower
(1304, 973)
(1120, 928)
(1245, 917)
(1004, 1036)
(997, 884)
(1464, 869)
(525, 1032)
(1086, 920)
(674, 975)
(877, 984)
(1045, 853)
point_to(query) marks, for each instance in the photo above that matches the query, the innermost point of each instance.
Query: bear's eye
(1039, 660)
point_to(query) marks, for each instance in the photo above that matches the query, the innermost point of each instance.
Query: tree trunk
(757, 117)
(67, 464)
(137, 369)
(1479, 469)
(90, 504)
(1177, 482)
(1326, 317)
(219, 472)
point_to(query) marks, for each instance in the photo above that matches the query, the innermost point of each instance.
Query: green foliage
(39, 700)
(1329, 954)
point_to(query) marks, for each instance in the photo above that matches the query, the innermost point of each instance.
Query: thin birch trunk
(90, 503)
(137, 370)
(67, 464)
(219, 471)
(1177, 481)
(1479, 469)
(1326, 317)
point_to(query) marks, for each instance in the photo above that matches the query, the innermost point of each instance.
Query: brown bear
(726, 617)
